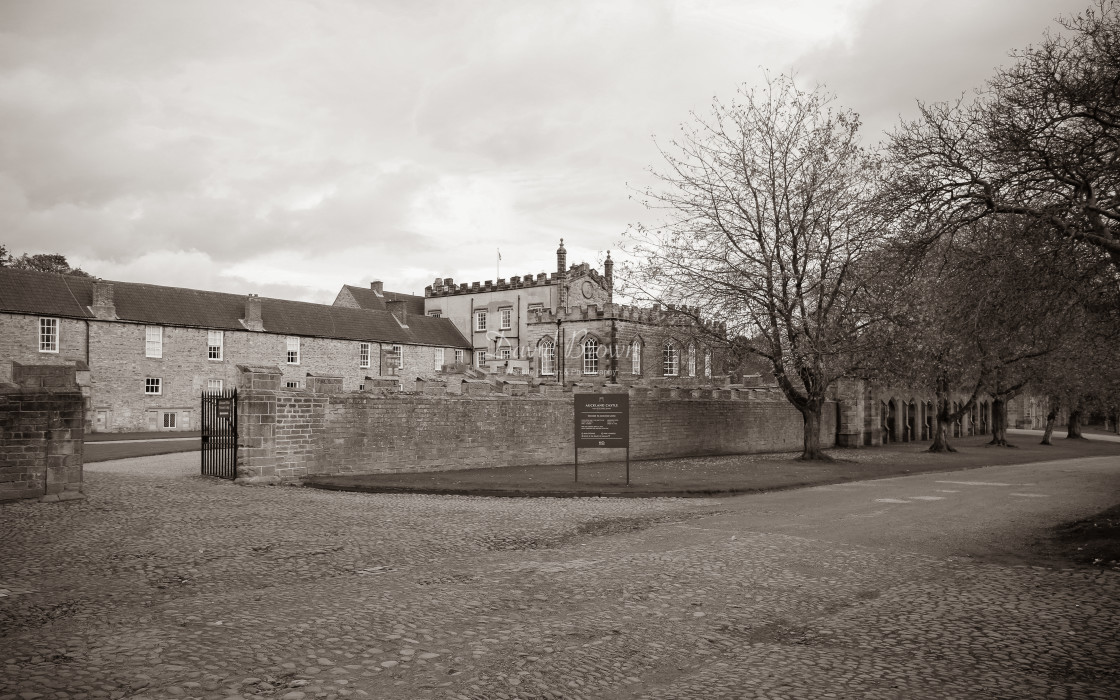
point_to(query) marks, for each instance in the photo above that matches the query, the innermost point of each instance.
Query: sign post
(602, 421)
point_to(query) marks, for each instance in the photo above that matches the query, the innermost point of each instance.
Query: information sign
(602, 420)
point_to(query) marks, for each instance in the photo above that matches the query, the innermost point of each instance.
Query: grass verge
(714, 476)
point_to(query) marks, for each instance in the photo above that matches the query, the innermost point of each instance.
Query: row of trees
(41, 262)
(976, 251)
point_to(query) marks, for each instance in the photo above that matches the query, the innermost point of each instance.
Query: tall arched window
(707, 362)
(636, 357)
(691, 360)
(591, 356)
(672, 360)
(548, 356)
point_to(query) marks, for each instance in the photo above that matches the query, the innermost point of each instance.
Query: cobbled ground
(163, 584)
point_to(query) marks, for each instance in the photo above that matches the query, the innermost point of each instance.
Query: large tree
(767, 207)
(1041, 140)
(40, 262)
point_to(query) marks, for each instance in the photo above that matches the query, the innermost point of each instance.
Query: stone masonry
(42, 412)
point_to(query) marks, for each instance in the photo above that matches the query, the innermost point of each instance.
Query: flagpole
(498, 265)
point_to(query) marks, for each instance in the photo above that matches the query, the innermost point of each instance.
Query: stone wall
(287, 434)
(42, 414)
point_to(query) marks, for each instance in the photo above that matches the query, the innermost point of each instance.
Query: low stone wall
(42, 416)
(287, 434)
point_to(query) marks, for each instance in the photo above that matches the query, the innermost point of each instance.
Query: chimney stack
(561, 274)
(252, 318)
(378, 287)
(397, 308)
(103, 305)
(608, 272)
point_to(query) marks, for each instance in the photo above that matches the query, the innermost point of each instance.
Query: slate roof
(47, 294)
(367, 299)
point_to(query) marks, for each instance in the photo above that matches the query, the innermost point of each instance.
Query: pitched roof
(48, 294)
(366, 298)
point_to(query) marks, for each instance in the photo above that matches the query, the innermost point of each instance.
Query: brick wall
(19, 342)
(41, 433)
(288, 434)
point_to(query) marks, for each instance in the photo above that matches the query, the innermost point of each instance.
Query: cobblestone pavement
(167, 585)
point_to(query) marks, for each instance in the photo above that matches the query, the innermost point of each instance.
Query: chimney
(378, 287)
(561, 258)
(608, 272)
(103, 305)
(397, 308)
(561, 273)
(252, 318)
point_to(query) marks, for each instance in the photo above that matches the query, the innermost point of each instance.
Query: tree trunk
(1051, 418)
(941, 428)
(812, 444)
(999, 423)
(1074, 425)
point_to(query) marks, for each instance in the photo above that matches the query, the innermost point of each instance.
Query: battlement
(446, 287)
(655, 315)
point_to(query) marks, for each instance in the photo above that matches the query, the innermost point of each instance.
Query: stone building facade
(151, 351)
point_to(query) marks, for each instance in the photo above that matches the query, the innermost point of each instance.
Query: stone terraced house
(152, 350)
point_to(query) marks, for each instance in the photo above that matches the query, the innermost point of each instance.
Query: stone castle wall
(288, 434)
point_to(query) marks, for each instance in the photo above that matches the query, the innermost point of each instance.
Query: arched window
(636, 357)
(548, 356)
(591, 356)
(707, 362)
(672, 360)
(691, 360)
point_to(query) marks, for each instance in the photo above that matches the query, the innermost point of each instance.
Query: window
(48, 335)
(708, 362)
(479, 358)
(291, 385)
(548, 356)
(153, 341)
(398, 357)
(153, 386)
(591, 356)
(439, 359)
(435, 314)
(672, 360)
(636, 357)
(213, 385)
(293, 351)
(363, 355)
(506, 316)
(480, 320)
(504, 353)
(535, 307)
(169, 420)
(458, 357)
(691, 360)
(215, 340)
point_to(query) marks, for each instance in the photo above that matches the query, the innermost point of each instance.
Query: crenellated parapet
(445, 286)
(655, 315)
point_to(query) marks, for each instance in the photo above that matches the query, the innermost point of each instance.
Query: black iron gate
(219, 433)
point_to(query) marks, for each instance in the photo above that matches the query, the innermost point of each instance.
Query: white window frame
(215, 345)
(636, 357)
(291, 385)
(214, 385)
(439, 359)
(548, 358)
(153, 341)
(435, 314)
(691, 360)
(505, 353)
(364, 353)
(479, 321)
(479, 358)
(293, 350)
(153, 382)
(591, 356)
(48, 334)
(170, 419)
(505, 318)
(458, 356)
(398, 351)
(671, 364)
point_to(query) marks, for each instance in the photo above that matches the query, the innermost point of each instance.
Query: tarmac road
(163, 585)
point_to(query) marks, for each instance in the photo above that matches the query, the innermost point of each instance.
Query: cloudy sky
(287, 147)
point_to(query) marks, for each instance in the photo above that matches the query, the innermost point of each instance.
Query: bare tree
(1041, 140)
(768, 206)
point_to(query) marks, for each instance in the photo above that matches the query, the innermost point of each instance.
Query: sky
(288, 147)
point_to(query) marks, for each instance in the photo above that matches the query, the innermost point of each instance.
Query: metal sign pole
(627, 463)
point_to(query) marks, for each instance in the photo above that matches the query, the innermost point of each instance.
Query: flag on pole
(499, 253)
